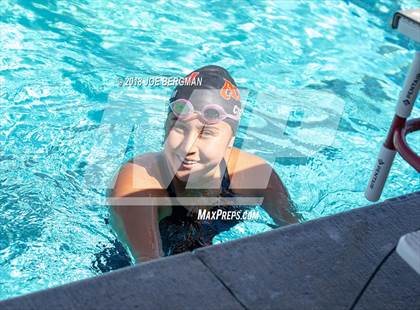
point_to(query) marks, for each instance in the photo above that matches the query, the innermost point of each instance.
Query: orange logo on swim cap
(230, 91)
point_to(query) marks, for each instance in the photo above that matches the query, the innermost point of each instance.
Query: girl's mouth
(187, 163)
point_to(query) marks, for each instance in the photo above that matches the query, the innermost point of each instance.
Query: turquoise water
(66, 125)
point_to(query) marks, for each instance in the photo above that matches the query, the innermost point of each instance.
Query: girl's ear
(231, 142)
(166, 130)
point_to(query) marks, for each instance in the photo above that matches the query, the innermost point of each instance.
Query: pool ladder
(408, 23)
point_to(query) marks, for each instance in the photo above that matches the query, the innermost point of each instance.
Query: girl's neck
(208, 185)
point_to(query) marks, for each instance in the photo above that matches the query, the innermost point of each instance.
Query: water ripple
(66, 126)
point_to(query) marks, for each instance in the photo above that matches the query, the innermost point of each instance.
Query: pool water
(66, 125)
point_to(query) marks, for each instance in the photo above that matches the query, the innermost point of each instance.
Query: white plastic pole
(380, 174)
(410, 90)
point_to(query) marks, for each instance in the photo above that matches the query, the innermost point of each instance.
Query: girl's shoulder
(139, 173)
(247, 170)
(239, 160)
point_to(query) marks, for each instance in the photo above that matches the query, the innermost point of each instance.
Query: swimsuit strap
(226, 179)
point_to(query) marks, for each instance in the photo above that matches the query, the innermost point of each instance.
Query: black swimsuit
(181, 231)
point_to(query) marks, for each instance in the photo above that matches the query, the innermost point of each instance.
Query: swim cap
(211, 85)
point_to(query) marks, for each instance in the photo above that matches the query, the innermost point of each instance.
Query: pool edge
(238, 274)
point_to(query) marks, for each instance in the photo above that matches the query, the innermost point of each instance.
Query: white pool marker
(409, 249)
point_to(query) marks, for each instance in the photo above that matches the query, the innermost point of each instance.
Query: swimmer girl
(198, 160)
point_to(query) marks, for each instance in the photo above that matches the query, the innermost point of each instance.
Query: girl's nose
(190, 143)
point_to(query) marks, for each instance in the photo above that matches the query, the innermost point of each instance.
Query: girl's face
(193, 148)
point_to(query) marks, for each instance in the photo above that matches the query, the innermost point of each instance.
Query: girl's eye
(207, 133)
(178, 126)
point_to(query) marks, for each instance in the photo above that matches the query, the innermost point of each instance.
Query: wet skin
(190, 158)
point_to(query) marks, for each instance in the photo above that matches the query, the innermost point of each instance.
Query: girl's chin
(185, 175)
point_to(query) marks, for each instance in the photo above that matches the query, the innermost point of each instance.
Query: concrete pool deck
(320, 264)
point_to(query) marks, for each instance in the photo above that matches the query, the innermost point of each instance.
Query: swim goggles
(210, 113)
